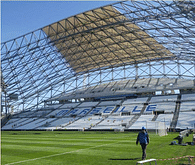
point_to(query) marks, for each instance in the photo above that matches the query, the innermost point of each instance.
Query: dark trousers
(143, 145)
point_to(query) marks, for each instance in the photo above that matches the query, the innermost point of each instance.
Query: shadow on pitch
(126, 159)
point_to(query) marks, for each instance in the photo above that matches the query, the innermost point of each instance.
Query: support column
(51, 94)
(136, 72)
(179, 69)
(38, 101)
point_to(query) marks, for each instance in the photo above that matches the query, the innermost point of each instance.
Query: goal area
(158, 127)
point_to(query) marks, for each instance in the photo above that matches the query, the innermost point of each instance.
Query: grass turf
(87, 148)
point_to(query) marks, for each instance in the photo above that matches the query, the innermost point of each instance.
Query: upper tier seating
(165, 81)
(186, 83)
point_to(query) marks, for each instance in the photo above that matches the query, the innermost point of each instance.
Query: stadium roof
(103, 37)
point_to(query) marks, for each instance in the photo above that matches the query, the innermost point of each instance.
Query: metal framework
(124, 40)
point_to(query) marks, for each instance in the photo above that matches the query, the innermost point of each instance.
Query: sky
(21, 17)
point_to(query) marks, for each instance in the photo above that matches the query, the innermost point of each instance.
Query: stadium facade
(96, 63)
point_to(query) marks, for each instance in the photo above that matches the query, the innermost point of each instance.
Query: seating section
(107, 103)
(35, 123)
(142, 121)
(87, 104)
(166, 106)
(18, 124)
(186, 120)
(135, 101)
(23, 114)
(132, 105)
(85, 123)
(119, 114)
(55, 113)
(59, 123)
(39, 113)
(187, 97)
(114, 122)
(157, 99)
(102, 110)
(62, 113)
(78, 112)
(187, 106)
(69, 105)
(132, 108)
(167, 118)
(12, 123)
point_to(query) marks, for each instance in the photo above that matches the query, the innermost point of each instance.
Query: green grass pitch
(87, 148)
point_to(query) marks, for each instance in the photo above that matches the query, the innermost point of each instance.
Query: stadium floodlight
(124, 40)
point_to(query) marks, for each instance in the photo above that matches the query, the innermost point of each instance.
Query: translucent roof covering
(103, 37)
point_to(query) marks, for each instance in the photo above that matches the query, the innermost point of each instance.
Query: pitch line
(58, 154)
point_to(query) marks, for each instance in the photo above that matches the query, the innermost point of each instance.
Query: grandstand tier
(128, 114)
(114, 67)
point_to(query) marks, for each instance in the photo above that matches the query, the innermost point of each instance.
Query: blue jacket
(143, 138)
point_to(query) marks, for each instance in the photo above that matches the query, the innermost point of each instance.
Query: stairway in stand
(136, 117)
(176, 113)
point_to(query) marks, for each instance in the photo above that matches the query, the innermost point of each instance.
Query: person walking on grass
(143, 139)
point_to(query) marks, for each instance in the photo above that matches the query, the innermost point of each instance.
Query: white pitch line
(58, 154)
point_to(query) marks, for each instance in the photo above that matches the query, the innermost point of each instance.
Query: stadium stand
(121, 113)
(112, 69)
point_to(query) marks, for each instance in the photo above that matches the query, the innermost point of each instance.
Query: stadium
(114, 68)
